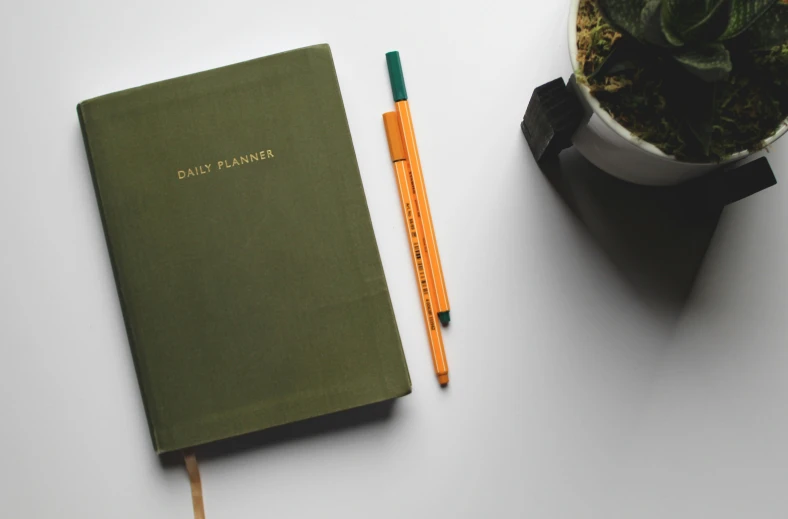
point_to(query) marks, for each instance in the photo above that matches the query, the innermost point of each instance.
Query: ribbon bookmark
(194, 480)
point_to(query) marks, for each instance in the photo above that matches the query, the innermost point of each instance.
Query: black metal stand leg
(553, 115)
(721, 188)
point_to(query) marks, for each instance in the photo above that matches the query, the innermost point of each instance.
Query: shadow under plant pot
(687, 152)
(656, 239)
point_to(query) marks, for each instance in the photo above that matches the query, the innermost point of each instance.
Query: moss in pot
(699, 79)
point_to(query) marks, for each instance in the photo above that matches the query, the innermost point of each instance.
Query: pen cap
(393, 135)
(396, 76)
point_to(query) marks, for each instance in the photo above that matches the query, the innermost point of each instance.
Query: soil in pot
(652, 102)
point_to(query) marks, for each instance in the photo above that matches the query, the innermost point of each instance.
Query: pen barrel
(426, 284)
(418, 192)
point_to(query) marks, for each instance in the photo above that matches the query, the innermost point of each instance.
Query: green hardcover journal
(244, 256)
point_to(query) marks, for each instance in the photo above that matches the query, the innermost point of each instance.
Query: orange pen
(424, 277)
(418, 188)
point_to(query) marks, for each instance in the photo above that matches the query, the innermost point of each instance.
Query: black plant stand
(554, 114)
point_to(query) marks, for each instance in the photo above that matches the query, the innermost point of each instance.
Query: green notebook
(243, 251)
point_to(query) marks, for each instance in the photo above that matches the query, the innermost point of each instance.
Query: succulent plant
(696, 44)
(697, 33)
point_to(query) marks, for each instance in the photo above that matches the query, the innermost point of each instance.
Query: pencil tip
(444, 317)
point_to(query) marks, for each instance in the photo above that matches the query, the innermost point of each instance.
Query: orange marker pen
(424, 277)
(418, 188)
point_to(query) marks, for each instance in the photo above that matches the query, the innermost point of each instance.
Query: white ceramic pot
(612, 148)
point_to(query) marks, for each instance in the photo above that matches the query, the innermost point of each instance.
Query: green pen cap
(396, 76)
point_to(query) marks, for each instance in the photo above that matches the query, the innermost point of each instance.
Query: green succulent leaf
(694, 21)
(672, 37)
(651, 22)
(625, 15)
(743, 13)
(710, 62)
(670, 18)
(771, 29)
(713, 24)
(638, 18)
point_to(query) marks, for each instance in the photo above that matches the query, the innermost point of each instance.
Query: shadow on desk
(322, 425)
(656, 237)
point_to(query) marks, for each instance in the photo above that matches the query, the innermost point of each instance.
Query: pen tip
(443, 380)
(445, 318)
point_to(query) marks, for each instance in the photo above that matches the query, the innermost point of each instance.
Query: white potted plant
(673, 89)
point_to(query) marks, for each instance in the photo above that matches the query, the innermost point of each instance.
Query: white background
(582, 385)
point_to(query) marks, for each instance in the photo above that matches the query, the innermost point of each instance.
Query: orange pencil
(418, 188)
(424, 277)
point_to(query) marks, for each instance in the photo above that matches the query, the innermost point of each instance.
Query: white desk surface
(591, 376)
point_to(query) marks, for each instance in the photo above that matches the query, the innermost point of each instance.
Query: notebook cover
(242, 247)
